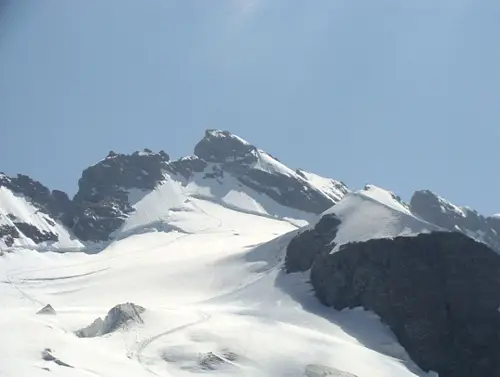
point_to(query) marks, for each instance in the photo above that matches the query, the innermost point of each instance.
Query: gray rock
(47, 309)
(8, 234)
(210, 361)
(55, 204)
(438, 292)
(37, 235)
(238, 158)
(47, 356)
(315, 370)
(306, 246)
(101, 203)
(434, 209)
(118, 317)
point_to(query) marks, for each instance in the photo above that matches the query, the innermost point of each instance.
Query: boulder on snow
(47, 309)
(48, 356)
(118, 317)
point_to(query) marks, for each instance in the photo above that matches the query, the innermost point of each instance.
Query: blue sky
(401, 94)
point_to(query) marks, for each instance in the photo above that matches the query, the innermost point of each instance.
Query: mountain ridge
(102, 203)
(222, 164)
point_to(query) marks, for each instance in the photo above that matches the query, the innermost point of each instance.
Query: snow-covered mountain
(438, 290)
(226, 263)
(439, 211)
(30, 214)
(144, 190)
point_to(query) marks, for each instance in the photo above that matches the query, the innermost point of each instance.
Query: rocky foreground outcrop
(118, 317)
(438, 292)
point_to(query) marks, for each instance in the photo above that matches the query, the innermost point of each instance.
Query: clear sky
(404, 94)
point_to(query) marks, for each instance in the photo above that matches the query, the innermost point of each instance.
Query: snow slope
(217, 302)
(179, 204)
(375, 213)
(15, 208)
(336, 190)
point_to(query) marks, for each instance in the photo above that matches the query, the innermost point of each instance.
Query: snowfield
(375, 213)
(217, 301)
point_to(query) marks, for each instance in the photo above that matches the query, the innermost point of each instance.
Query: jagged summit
(437, 210)
(225, 168)
(222, 147)
(31, 214)
(123, 192)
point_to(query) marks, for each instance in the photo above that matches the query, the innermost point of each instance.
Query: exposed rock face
(37, 235)
(55, 204)
(47, 309)
(118, 317)
(187, 166)
(438, 292)
(48, 356)
(244, 161)
(101, 204)
(324, 371)
(306, 246)
(8, 233)
(436, 210)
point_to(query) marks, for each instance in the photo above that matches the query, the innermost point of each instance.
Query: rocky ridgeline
(101, 204)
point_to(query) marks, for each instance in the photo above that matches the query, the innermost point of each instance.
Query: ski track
(203, 317)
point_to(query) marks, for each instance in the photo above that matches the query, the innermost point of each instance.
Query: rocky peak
(437, 210)
(223, 147)
(55, 203)
(101, 203)
(263, 172)
(136, 170)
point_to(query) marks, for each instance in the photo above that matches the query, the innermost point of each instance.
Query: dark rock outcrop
(315, 370)
(438, 211)
(47, 309)
(54, 203)
(37, 235)
(47, 355)
(101, 204)
(118, 317)
(187, 166)
(438, 292)
(9, 233)
(240, 158)
(306, 246)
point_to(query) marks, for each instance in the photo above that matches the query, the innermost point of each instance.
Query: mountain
(228, 262)
(438, 290)
(214, 298)
(439, 211)
(31, 214)
(124, 193)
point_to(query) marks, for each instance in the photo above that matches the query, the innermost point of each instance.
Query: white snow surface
(17, 208)
(336, 190)
(212, 286)
(375, 213)
(179, 204)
